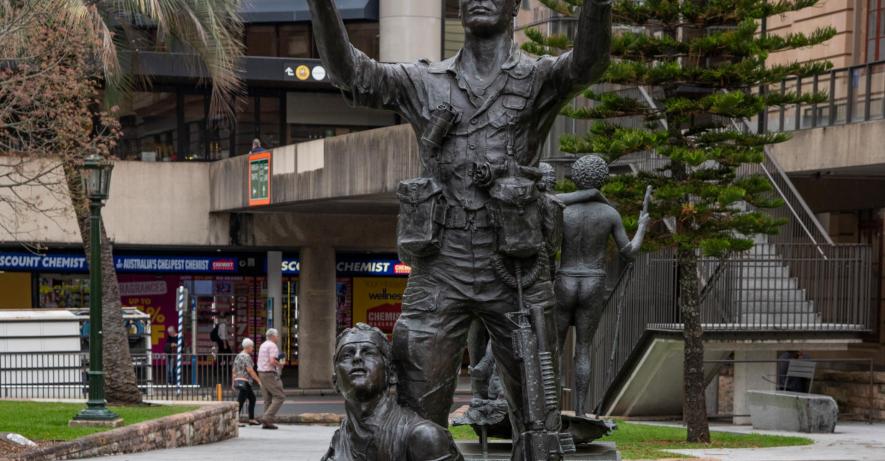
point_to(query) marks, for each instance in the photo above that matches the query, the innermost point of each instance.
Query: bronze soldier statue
(470, 226)
(376, 428)
(588, 223)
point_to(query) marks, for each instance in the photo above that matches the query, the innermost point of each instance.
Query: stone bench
(792, 411)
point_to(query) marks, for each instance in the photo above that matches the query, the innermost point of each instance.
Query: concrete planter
(792, 411)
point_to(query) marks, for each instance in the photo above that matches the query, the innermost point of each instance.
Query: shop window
(247, 129)
(150, 131)
(270, 114)
(195, 109)
(364, 36)
(875, 30)
(218, 130)
(261, 41)
(63, 291)
(295, 41)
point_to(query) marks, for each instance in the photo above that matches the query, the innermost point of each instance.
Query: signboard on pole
(259, 178)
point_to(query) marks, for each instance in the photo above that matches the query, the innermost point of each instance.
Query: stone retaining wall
(211, 423)
(851, 389)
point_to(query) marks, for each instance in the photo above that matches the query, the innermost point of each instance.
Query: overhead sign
(76, 263)
(175, 264)
(318, 73)
(259, 178)
(43, 263)
(304, 71)
(353, 266)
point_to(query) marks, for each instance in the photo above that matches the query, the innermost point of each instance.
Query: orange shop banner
(378, 301)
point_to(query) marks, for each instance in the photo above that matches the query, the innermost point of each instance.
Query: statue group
(479, 227)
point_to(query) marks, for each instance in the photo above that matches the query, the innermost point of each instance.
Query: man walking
(269, 368)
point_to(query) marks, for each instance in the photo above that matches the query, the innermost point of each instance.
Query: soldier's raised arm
(590, 55)
(332, 42)
(365, 81)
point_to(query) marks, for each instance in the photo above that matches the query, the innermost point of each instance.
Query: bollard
(218, 392)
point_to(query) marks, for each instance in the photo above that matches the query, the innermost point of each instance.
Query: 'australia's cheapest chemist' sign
(153, 264)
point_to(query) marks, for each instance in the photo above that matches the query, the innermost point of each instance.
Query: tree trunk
(694, 403)
(120, 383)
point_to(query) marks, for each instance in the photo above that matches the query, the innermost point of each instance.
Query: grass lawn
(642, 441)
(46, 421)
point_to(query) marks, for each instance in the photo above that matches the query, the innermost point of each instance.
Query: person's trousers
(430, 336)
(246, 393)
(272, 387)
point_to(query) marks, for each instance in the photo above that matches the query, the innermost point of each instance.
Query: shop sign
(259, 178)
(378, 301)
(74, 263)
(175, 264)
(43, 263)
(355, 267)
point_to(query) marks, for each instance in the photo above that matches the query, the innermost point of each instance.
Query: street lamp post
(96, 182)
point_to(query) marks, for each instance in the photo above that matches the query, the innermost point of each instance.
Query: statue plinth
(501, 450)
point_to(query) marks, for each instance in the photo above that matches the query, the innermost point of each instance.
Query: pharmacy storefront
(229, 289)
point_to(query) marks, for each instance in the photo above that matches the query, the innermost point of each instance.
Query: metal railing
(755, 291)
(62, 375)
(200, 377)
(854, 94)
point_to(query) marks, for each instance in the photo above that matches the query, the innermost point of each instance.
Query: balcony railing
(854, 94)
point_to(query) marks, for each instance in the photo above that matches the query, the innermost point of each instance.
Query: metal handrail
(791, 195)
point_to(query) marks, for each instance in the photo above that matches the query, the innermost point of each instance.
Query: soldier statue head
(363, 364)
(548, 177)
(589, 172)
(488, 17)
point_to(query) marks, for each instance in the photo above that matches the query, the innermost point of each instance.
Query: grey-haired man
(269, 369)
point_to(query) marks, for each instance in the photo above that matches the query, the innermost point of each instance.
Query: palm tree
(210, 30)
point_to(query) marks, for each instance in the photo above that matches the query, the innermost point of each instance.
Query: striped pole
(182, 295)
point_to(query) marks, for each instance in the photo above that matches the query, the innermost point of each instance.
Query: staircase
(767, 294)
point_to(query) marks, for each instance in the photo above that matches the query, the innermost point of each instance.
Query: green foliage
(703, 63)
(48, 421)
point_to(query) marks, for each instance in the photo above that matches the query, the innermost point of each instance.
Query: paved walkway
(288, 442)
(851, 442)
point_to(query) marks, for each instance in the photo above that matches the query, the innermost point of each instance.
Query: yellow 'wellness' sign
(378, 301)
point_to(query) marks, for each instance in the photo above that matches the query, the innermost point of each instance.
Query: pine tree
(703, 63)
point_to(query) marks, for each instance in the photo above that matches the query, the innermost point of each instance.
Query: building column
(275, 287)
(410, 30)
(752, 377)
(317, 318)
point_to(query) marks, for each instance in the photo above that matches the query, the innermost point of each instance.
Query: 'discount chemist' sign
(154, 264)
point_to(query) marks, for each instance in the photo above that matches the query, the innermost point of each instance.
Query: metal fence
(63, 375)
(772, 287)
(854, 94)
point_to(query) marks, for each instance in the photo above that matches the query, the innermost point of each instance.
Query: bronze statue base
(500, 451)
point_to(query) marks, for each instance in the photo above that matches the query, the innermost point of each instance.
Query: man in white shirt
(269, 368)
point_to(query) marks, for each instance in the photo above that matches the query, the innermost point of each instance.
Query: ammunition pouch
(418, 234)
(515, 201)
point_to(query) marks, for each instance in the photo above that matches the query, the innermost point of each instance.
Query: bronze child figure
(375, 427)
(588, 223)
